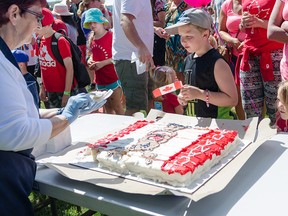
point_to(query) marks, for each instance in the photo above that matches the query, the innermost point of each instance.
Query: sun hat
(48, 17)
(20, 55)
(94, 15)
(61, 9)
(194, 16)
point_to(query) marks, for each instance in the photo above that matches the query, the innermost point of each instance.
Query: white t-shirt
(20, 126)
(122, 48)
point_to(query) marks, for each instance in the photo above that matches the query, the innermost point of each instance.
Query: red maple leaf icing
(198, 152)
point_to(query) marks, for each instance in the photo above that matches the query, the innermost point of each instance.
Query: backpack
(80, 72)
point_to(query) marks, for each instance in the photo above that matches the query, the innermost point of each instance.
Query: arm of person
(161, 32)
(251, 21)
(68, 79)
(224, 78)
(233, 42)
(100, 64)
(42, 93)
(223, 31)
(107, 16)
(276, 26)
(161, 19)
(59, 122)
(131, 33)
(179, 110)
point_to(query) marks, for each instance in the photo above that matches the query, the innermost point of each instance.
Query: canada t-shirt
(53, 73)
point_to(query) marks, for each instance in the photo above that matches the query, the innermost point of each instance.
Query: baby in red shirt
(282, 105)
(168, 103)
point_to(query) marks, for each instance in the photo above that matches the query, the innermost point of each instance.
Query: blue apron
(17, 170)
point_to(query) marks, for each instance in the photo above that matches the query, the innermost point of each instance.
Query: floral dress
(175, 52)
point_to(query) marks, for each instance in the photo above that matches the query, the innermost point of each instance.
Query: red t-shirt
(282, 124)
(256, 41)
(102, 50)
(169, 103)
(53, 73)
(257, 38)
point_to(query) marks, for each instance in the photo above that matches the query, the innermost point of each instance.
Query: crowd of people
(134, 48)
(240, 27)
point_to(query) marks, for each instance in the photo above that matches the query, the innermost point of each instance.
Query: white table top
(259, 188)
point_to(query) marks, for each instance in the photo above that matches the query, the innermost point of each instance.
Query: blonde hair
(283, 93)
(162, 75)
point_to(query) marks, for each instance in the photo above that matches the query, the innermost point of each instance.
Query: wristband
(207, 97)
(66, 93)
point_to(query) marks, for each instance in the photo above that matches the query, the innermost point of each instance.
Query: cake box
(247, 130)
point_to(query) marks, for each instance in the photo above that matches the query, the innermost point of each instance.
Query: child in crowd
(100, 52)
(210, 86)
(22, 59)
(58, 80)
(282, 105)
(162, 76)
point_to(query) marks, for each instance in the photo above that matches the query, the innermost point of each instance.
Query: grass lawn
(61, 208)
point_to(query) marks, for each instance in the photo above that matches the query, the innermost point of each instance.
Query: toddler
(162, 76)
(282, 105)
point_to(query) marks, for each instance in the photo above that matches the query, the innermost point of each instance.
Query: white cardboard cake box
(247, 130)
(54, 145)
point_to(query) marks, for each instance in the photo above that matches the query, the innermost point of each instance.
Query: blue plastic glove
(93, 106)
(75, 104)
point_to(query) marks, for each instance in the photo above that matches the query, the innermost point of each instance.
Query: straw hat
(61, 9)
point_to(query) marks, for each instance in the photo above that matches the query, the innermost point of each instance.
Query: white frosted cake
(164, 152)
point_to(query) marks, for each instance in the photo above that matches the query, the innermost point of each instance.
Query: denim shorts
(111, 86)
(135, 87)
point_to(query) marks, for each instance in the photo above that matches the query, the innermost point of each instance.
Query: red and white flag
(167, 89)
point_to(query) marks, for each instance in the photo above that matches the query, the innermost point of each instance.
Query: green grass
(62, 208)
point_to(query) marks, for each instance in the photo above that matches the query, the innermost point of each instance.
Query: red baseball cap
(48, 17)
(59, 26)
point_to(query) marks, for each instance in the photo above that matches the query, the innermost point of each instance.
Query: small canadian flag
(167, 89)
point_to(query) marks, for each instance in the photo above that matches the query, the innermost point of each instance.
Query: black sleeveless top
(199, 72)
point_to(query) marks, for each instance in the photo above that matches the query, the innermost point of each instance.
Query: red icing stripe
(102, 143)
(198, 152)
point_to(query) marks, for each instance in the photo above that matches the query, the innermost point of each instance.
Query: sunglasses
(38, 16)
